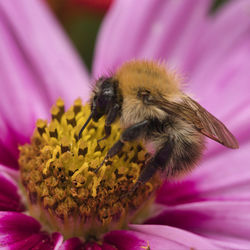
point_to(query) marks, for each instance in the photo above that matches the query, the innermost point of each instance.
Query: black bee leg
(158, 162)
(111, 116)
(129, 134)
(116, 148)
(107, 130)
(135, 131)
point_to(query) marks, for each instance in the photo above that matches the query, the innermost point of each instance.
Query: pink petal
(227, 222)
(183, 34)
(19, 231)
(57, 240)
(224, 177)
(71, 244)
(35, 241)
(38, 65)
(158, 29)
(6, 157)
(217, 71)
(13, 173)
(157, 237)
(54, 61)
(16, 226)
(9, 197)
(124, 240)
(226, 28)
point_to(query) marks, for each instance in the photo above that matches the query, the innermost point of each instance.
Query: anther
(77, 106)
(65, 145)
(41, 125)
(53, 130)
(70, 117)
(60, 105)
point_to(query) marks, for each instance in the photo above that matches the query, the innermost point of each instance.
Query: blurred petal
(227, 222)
(52, 60)
(227, 27)
(223, 70)
(160, 28)
(13, 173)
(223, 177)
(57, 240)
(125, 240)
(157, 237)
(71, 244)
(9, 197)
(19, 231)
(183, 34)
(29, 242)
(38, 65)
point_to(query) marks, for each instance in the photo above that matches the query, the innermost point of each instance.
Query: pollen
(63, 190)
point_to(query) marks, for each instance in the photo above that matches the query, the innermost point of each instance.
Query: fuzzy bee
(150, 105)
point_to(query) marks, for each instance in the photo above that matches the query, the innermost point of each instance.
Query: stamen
(63, 190)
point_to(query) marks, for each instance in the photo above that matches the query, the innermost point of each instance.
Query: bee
(148, 101)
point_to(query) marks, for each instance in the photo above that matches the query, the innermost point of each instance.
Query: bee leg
(111, 116)
(107, 130)
(116, 148)
(134, 132)
(159, 162)
(129, 134)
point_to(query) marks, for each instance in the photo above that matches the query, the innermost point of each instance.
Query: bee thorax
(134, 111)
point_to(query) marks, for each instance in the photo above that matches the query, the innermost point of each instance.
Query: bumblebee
(148, 101)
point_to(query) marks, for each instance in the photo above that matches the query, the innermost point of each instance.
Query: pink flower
(209, 209)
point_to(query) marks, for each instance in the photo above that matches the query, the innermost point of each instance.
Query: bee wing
(203, 121)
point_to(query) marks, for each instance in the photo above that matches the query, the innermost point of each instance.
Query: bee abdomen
(185, 155)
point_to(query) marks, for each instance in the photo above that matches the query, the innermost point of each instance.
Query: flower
(209, 209)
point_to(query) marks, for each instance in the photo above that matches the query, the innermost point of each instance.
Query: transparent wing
(203, 121)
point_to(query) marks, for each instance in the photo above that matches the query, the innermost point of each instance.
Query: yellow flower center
(60, 184)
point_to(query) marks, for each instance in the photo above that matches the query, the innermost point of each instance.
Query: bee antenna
(85, 125)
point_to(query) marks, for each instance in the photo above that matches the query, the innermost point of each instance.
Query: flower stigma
(60, 185)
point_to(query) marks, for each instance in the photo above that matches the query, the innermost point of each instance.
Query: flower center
(60, 184)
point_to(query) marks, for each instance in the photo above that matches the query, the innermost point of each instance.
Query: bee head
(103, 98)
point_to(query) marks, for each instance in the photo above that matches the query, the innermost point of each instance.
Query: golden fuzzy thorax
(145, 75)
